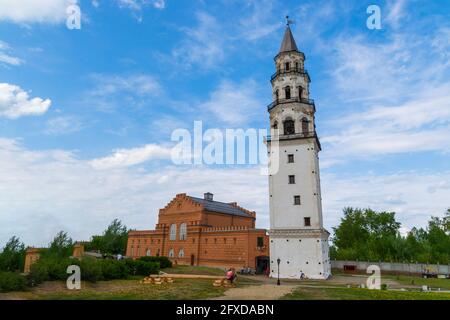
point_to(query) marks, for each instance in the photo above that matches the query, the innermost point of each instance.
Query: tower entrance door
(262, 264)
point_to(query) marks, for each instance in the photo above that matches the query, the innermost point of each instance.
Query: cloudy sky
(86, 115)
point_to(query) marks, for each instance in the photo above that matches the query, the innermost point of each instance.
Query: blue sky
(86, 115)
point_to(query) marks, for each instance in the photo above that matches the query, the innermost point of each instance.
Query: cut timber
(223, 283)
(156, 280)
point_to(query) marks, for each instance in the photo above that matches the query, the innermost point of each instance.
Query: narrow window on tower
(305, 126)
(307, 221)
(300, 92)
(292, 179)
(286, 66)
(297, 200)
(290, 158)
(287, 92)
(296, 66)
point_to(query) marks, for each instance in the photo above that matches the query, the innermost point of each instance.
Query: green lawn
(361, 294)
(408, 280)
(419, 281)
(121, 290)
(195, 270)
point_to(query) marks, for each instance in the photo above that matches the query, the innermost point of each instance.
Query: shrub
(141, 268)
(38, 274)
(57, 268)
(50, 269)
(164, 262)
(91, 270)
(11, 281)
(114, 269)
(144, 268)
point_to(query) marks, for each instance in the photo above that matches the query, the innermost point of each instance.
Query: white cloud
(393, 70)
(42, 192)
(32, 11)
(5, 56)
(395, 97)
(234, 103)
(15, 102)
(421, 124)
(414, 196)
(139, 4)
(129, 157)
(395, 12)
(63, 125)
(259, 23)
(139, 84)
(131, 91)
(204, 45)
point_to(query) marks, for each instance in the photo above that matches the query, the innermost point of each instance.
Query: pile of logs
(156, 280)
(223, 282)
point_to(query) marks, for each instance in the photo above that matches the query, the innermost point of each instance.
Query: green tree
(12, 257)
(365, 234)
(369, 235)
(439, 239)
(60, 247)
(112, 241)
(446, 222)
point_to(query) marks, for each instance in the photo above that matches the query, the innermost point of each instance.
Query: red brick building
(204, 232)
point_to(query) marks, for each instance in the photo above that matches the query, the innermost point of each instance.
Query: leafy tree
(446, 222)
(60, 247)
(113, 241)
(12, 257)
(369, 235)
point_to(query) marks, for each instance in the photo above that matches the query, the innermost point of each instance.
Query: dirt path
(258, 292)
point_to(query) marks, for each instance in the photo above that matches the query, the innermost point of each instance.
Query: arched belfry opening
(287, 92)
(289, 126)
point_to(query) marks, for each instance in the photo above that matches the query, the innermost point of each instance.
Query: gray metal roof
(288, 43)
(222, 207)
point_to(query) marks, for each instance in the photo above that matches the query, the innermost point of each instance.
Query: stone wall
(416, 268)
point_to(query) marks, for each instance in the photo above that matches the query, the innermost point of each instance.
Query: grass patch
(182, 289)
(302, 293)
(419, 281)
(208, 271)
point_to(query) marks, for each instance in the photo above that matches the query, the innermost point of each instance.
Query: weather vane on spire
(289, 21)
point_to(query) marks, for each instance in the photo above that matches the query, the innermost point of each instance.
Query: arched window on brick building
(173, 232)
(171, 253)
(183, 231)
(181, 253)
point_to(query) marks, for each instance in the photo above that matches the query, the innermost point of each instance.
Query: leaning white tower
(298, 241)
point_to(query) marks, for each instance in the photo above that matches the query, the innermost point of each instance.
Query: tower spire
(288, 43)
